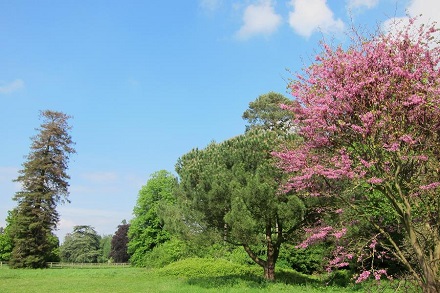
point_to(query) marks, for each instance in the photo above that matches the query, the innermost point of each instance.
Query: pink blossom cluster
(363, 276)
(316, 235)
(368, 114)
(376, 273)
(340, 259)
(430, 186)
(355, 95)
(375, 180)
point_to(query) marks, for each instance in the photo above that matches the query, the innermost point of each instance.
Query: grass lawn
(186, 276)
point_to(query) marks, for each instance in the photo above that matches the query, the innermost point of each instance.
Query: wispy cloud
(210, 5)
(258, 19)
(7, 88)
(356, 4)
(309, 16)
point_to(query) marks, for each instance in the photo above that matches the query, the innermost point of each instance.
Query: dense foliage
(44, 184)
(119, 242)
(369, 118)
(233, 187)
(105, 245)
(5, 245)
(81, 246)
(147, 227)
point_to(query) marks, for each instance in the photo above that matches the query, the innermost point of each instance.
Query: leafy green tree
(233, 188)
(105, 243)
(44, 184)
(5, 245)
(147, 227)
(81, 246)
(119, 242)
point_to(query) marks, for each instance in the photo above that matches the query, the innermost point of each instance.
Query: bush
(340, 278)
(308, 261)
(165, 253)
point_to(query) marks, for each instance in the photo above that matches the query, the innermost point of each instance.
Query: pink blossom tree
(369, 116)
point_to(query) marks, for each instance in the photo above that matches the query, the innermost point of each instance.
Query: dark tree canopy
(119, 252)
(44, 184)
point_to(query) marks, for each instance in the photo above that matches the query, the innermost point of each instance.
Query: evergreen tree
(44, 184)
(81, 246)
(232, 188)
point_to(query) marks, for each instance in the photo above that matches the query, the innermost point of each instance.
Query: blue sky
(147, 81)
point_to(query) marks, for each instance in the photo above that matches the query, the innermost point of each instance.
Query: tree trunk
(431, 280)
(271, 254)
(269, 270)
(429, 270)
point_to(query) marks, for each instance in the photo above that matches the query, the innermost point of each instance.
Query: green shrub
(165, 253)
(340, 278)
(308, 261)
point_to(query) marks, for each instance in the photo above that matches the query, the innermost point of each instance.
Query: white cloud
(426, 12)
(259, 19)
(7, 88)
(355, 4)
(428, 8)
(309, 16)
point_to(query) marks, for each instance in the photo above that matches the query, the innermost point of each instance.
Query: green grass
(191, 275)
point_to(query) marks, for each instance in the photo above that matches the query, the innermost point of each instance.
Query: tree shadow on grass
(252, 281)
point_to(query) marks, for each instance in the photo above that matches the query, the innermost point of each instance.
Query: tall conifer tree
(44, 184)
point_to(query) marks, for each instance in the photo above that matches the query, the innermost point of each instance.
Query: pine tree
(44, 185)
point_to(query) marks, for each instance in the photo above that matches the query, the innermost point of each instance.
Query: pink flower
(408, 139)
(320, 234)
(422, 158)
(375, 180)
(358, 129)
(340, 233)
(430, 186)
(363, 276)
(366, 163)
(391, 147)
(413, 100)
(379, 273)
